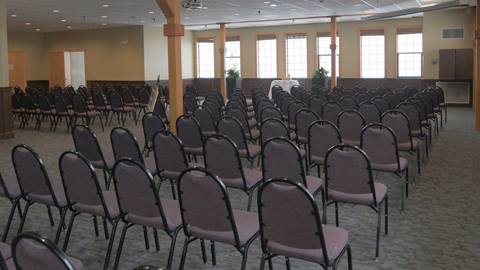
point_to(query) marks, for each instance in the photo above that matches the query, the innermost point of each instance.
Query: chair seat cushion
(170, 174)
(111, 203)
(151, 166)
(252, 123)
(314, 184)
(335, 240)
(253, 134)
(365, 199)
(171, 208)
(252, 178)
(391, 167)
(47, 199)
(77, 264)
(98, 164)
(317, 160)
(12, 188)
(302, 140)
(194, 150)
(5, 250)
(252, 148)
(407, 146)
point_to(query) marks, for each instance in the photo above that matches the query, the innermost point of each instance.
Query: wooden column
(333, 48)
(6, 120)
(477, 68)
(174, 31)
(223, 38)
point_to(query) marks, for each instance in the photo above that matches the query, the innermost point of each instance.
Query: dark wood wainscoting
(388, 83)
(38, 84)
(6, 121)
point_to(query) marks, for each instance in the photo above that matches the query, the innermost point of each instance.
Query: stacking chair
(140, 205)
(125, 145)
(249, 126)
(100, 105)
(349, 179)
(233, 129)
(330, 111)
(170, 157)
(6, 259)
(120, 110)
(62, 112)
(399, 123)
(303, 119)
(413, 114)
(281, 158)
(270, 112)
(143, 99)
(152, 123)
(370, 112)
(382, 104)
(293, 228)
(316, 103)
(205, 118)
(272, 127)
(380, 144)
(85, 196)
(190, 133)
(10, 190)
(223, 159)
(46, 112)
(207, 215)
(36, 186)
(30, 251)
(350, 124)
(322, 135)
(214, 106)
(80, 110)
(160, 110)
(189, 102)
(293, 108)
(348, 103)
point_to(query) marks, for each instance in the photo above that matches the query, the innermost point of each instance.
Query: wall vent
(448, 33)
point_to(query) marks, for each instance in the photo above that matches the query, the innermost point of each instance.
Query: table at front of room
(285, 84)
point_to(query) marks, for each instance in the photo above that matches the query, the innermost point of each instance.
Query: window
(267, 56)
(205, 58)
(325, 54)
(409, 54)
(232, 54)
(372, 55)
(297, 56)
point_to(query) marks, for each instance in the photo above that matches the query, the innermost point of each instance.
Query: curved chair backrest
(330, 111)
(214, 107)
(370, 112)
(281, 158)
(233, 129)
(87, 144)
(44, 104)
(30, 252)
(348, 170)
(303, 119)
(152, 123)
(381, 103)
(125, 145)
(205, 118)
(413, 114)
(239, 114)
(222, 157)
(98, 100)
(361, 97)
(322, 135)
(270, 112)
(289, 217)
(189, 131)
(159, 108)
(116, 101)
(32, 176)
(60, 105)
(79, 104)
(81, 184)
(398, 122)
(350, 124)
(271, 128)
(392, 99)
(136, 192)
(144, 96)
(293, 108)
(316, 103)
(190, 102)
(205, 206)
(348, 103)
(380, 144)
(169, 153)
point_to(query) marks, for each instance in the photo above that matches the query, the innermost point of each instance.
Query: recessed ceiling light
(13, 15)
(63, 20)
(358, 5)
(273, 5)
(266, 2)
(27, 23)
(105, 5)
(104, 24)
(55, 11)
(151, 12)
(236, 14)
(187, 18)
(104, 16)
(38, 29)
(143, 21)
(69, 27)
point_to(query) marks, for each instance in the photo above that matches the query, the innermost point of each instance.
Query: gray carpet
(440, 228)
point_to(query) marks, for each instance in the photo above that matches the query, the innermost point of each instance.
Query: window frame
(374, 32)
(323, 35)
(204, 40)
(305, 36)
(406, 32)
(239, 57)
(261, 37)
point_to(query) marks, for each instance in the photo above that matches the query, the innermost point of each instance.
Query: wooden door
(17, 69)
(446, 67)
(56, 63)
(464, 64)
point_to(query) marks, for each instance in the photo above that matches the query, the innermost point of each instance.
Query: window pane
(324, 53)
(232, 55)
(205, 60)
(297, 56)
(372, 56)
(409, 49)
(267, 58)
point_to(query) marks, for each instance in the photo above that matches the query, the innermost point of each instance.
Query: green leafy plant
(320, 77)
(233, 74)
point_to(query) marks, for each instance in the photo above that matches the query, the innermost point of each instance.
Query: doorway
(17, 69)
(67, 68)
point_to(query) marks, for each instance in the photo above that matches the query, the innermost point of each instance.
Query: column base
(6, 120)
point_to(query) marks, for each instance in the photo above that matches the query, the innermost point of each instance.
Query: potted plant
(232, 77)
(320, 78)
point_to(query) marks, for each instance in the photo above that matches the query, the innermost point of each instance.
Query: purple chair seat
(98, 164)
(392, 167)
(151, 166)
(293, 135)
(252, 123)
(5, 250)
(247, 227)
(314, 184)
(171, 209)
(89, 113)
(255, 134)
(407, 146)
(251, 114)
(318, 160)
(12, 188)
(252, 177)
(365, 199)
(194, 150)
(110, 201)
(170, 174)
(303, 140)
(47, 199)
(252, 148)
(335, 241)
(77, 264)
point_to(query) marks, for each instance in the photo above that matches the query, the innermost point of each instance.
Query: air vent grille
(452, 33)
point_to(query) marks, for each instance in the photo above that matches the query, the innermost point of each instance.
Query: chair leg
(174, 193)
(386, 214)
(105, 228)
(155, 238)
(402, 197)
(245, 256)
(262, 262)
(337, 222)
(110, 244)
(10, 218)
(379, 225)
(418, 162)
(349, 256)
(120, 245)
(250, 197)
(172, 248)
(324, 214)
(95, 226)
(406, 182)
(50, 217)
(63, 213)
(69, 231)
(184, 253)
(270, 263)
(214, 255)
(145, 236)
(25, 212)
(101, 122)
(287, 263)
(204, 251)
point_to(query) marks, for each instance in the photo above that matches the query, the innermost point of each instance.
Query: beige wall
(4, 78)
(349, 33)
(33, 44)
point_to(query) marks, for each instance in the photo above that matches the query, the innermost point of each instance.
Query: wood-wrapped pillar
(333, 48)
(223, 38)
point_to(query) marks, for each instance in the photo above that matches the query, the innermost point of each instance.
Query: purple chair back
(382, 104)
(222, 157)
(316, 104)
(116, 101)
(293, 108)
(322, 135)
(348, 170)
(330, 111)
(205, 206)
(272, 127)
(413, 114)
(380, 144)
(152, 123)
(169, 153)
(370, 112)
(87, 144)
(350, 124)
(270, 112)
(240, 115)
(189, 131)
(125, 145)
(79, 104)
(348, 103)
(303, 119)
(233, 129)
(398, 122)
(205, 118)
